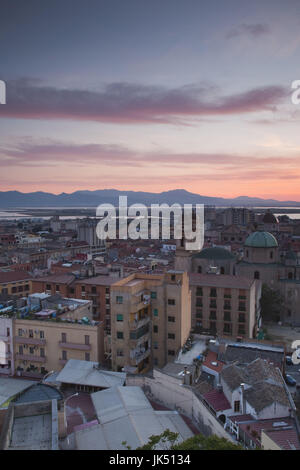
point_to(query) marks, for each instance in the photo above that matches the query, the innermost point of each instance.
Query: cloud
(125, 103)
(30, 153)
(252, 30)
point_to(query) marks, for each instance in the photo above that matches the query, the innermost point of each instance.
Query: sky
(150, 96)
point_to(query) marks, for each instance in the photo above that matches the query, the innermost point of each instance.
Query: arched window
(256, 275)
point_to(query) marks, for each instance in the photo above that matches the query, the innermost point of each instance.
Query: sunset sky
(151, 95)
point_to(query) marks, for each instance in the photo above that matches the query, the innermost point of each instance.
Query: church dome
(214, 253)
(261, 240)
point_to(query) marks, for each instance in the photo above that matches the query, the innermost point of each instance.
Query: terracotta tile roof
(57, 278)
(211, 361)
(13, 276)
(217, 400)
(222, 280)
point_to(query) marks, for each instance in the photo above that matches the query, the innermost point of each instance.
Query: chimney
(243, 404)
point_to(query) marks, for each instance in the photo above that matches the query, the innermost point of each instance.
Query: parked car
(290, 380)
(288, 360)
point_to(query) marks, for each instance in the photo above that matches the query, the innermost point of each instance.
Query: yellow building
(150, 320)
(17, 283)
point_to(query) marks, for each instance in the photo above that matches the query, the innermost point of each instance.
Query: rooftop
(220, 280)
(88, 373)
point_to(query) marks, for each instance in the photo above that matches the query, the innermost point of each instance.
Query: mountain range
(16, 199)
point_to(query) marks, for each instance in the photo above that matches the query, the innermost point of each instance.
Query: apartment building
(16, 283)
(36, 342)
(96, 288)
(150, 319)
(225, 304)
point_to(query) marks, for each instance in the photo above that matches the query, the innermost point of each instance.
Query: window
(222, 270)
(242, 318)
(173, 277)
(171, 336)
(7, 331)
(271, 254)
(199, 269)
(86, 339)
(30, 333)
(64, 337)
(256, 275)
(198, 302)
(213, 292)
(87, 356)
(213, 327)
(107, 290)
(20, 349)
(20, 289)
(57, 288)
(171, 319)
(171, 301)
(31, 350)
(120, 335)
(120, 353)
(213, 315)
(155, 361)
(242, 306)
(42, 352)
(155, 345)
(198, 313)
(153, 295)
(48, 286)
(19, 332)
(227, 316)
(199, 291)
(237, 406)
(64, 355)
(119, 317)
(155, 312)
(227, 328)
(82, 288)
(42, 335)
(241, 330)
(171, 352)
(155, 329)
(119, 299)
(213, 303)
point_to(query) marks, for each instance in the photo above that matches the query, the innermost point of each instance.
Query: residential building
(225, 304)
(151, 319)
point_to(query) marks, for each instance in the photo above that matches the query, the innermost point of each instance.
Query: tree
(168, 440)
(271, 303)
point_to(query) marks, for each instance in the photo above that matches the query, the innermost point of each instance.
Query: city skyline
(152, 98)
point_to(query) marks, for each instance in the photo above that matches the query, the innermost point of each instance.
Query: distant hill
(16, 199)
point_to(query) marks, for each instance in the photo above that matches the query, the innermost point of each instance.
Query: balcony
(30, 357)
(27, 340)
(5, 338)
(133, 325)
(78, 346)
(139, 357)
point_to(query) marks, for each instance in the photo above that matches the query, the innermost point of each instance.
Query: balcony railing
(30, 357)
(27, 340)
(138, 323)
(139, 357)
(5, 338)
(79, 346)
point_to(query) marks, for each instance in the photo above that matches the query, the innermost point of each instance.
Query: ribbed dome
(261, 240)
(214, 254)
